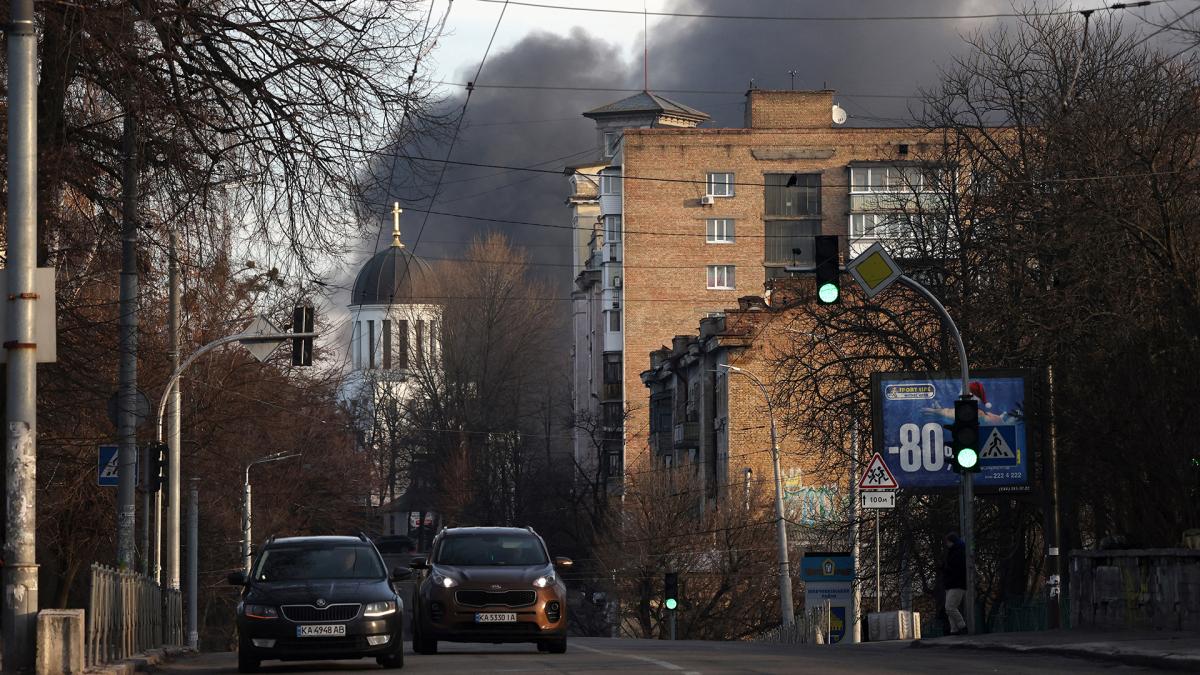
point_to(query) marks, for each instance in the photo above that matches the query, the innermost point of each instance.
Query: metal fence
(128, 614)
(810, 627)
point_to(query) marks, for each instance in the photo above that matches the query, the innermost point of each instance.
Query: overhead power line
(836, 19)
(619, 90)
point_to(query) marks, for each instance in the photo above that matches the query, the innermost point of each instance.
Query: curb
(1165, 661)
(142, 662)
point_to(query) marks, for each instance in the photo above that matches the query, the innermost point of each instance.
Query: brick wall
(788, 109)
(665, 252)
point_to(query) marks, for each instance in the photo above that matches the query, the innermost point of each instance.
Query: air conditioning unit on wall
(707, 200)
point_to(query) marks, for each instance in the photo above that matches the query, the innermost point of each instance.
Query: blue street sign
(107, 474)
(911, 411)
(816, 566)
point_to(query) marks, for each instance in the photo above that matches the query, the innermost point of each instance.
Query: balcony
(687, 435)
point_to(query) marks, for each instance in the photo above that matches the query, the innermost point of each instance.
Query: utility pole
(855, 549)
(127, 393)
(173, 458)
(193, 634)
(788, 614)
(1054, 531)
(20, 553)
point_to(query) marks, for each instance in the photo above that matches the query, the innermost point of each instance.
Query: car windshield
(498, 549)
(299, 563)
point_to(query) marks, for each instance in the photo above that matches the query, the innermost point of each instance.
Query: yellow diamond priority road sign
(874, 270)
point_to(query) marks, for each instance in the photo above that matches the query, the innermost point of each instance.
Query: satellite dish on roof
(839, 114)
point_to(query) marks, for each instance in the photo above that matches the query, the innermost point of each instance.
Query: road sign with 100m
(878, 499)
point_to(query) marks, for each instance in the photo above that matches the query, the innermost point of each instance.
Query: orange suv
(490, 584)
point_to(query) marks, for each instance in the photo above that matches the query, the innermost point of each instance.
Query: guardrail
(128, 614)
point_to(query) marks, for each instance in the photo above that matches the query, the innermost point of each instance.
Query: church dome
(393, 276)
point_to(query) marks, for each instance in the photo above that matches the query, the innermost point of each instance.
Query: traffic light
(671, 590)
(302, 322)
(157, 458)
(964, 436)
(828, 266)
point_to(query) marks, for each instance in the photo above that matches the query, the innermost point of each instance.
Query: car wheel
(420, 644)
(246, 661)
(558, 646)
(543, 647)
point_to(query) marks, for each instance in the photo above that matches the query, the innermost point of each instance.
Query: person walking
(954, 580)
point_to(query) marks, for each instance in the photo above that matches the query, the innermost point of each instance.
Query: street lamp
(785, 577)
(246, 559)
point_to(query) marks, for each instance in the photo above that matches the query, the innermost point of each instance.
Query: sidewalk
(1155, 649)
(149, 660)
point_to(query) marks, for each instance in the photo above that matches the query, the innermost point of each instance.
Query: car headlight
(444, 581)
(544, 581)
(260, 612)
(378, 609)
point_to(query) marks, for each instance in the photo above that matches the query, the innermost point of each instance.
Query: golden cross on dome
(396, 211)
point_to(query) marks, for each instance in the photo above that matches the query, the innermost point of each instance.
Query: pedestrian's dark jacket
(954, 570)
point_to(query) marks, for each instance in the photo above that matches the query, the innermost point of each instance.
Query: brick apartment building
(712, 427)
(703, 217)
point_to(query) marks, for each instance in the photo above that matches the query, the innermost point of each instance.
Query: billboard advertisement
(911, 411)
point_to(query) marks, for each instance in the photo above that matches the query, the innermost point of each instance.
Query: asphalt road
(599, 655)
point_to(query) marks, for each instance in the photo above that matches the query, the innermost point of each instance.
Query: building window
(420, 341)
(792, 194)
(612, 368)
(610, 183)
(614, 321)
(719, 231)
(612, 141)
(387, 344)
(876, 225)
(356, 345)
(720, 184)
(371, 345)
(612, 229)
(402, 344)
(866, 179)
(790, 242)
(885, 200)
(720, 277)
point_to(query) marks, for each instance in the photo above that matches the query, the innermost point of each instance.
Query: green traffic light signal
(672, 603)
(967, 458)
(828, 293)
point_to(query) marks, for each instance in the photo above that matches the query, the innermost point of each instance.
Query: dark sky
(867, 61)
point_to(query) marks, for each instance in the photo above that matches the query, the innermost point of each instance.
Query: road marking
(658, 662)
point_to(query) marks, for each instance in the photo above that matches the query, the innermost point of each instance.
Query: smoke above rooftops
(867, 62)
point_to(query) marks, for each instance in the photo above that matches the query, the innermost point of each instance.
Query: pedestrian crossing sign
(107, 467)
(999, 448)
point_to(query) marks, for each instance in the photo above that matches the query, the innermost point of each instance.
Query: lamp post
(246, 559)
(785, 577)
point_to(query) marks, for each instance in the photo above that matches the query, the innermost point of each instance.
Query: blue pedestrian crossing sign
(107, 474)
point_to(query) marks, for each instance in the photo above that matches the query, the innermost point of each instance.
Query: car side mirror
(418, 564)
(400, 574)
(563, 562)
(238, 578)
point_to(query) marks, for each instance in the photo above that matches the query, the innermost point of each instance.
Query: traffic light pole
(171, 393)
(967, 506)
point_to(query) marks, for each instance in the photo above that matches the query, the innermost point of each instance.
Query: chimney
(789, 109)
